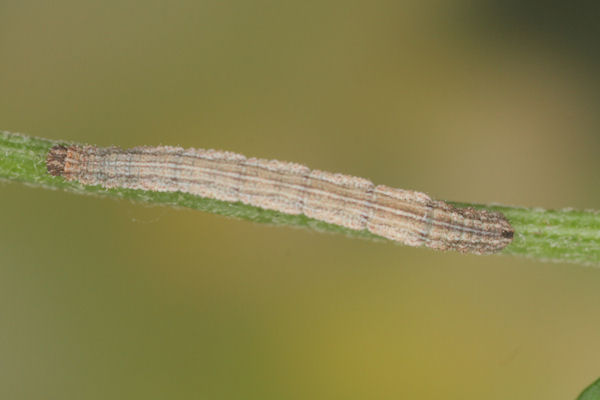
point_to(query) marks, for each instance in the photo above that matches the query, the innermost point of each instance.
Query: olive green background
(468, 101)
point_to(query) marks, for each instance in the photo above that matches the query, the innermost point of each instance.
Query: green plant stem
(560, 235)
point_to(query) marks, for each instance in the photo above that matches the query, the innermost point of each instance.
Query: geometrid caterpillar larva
(401, 215)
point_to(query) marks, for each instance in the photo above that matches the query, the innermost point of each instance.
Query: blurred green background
(486, 101)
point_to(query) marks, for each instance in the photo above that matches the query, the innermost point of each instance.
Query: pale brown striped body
(401, 215)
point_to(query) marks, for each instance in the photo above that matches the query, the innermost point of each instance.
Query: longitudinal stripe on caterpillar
(401, 215)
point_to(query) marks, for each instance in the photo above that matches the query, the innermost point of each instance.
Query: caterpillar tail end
(56, 159)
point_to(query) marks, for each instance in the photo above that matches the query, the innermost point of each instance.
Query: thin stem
(561, 235)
